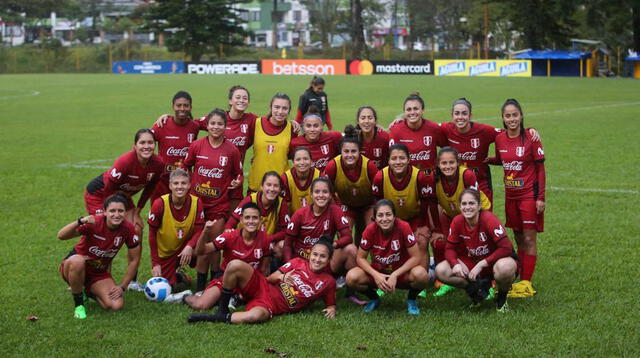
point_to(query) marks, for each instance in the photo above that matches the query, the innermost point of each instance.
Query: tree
(358, 45)
(324, 16)
(196, 27)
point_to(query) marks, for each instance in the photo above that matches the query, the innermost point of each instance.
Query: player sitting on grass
(294, 286)
(88, 264)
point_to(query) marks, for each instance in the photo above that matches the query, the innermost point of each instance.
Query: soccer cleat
(341, 282)
(504, 308)
(200, 317)
(135, 286)
(380, 292)
(443, 290)
(491, 295)
(372, 305)
(80, 312)
(356, 300)
(234, 302)
(177, 297)
(423, 294)
(412, 307)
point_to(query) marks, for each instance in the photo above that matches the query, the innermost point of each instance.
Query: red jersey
(473, 148)
(303, 286)
(421, 142)
(388, 253)
(238, 131)
(322, 150)
(378, 149)
(213, 171)
(487, 240)
(173, 143)
(128, 176)
(101, 244)
(522, 160)
(234, 247)
(305, 229)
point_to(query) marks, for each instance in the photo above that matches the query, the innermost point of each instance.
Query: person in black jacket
(315, 96)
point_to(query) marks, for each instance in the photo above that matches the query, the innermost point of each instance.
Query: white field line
(90, 164)
(31, 93)
(593, 190)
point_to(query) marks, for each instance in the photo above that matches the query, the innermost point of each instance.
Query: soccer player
(273, 135)
(248, 244)
(395, 259)
(451, 180)
(412, 193)
(323, 145)
(351, 174)
(294, 286)
(522, 159)
(296, 182)
(136, 170)
(374, 139)
(175, 223)
(216, 174)
(316, 97)
(421, 136)
(472, 141)
(173, 139)
(320, 218)
(489, 254)
(88, 265)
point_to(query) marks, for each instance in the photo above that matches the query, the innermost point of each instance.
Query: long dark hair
(514, 102)
(375, 115)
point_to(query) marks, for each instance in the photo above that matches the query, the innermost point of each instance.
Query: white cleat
(177, 297)
(135, 286)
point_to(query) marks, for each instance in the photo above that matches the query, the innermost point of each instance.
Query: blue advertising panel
(147, 67)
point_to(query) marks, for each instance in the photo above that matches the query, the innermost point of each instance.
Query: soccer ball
(157, 289)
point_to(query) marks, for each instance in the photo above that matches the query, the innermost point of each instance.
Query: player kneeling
(395, 259)
(294, 286)
(88, 264)
(489, 253)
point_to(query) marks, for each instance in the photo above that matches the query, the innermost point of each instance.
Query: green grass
(587, 276)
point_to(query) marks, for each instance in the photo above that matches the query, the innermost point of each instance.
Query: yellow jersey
(172, 234)
(353, 194)
(269, 153)
(406, 201)
(300, 197)
(451, 204)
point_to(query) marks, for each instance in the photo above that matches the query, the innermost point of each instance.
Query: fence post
(77, 61)
(110, 58)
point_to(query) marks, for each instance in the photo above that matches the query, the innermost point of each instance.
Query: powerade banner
(304, 67)
(493, 68)
(224, 68)
(367, 67)
(137, 67)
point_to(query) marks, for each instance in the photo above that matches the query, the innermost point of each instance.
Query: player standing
(88, 264)
(316, 97)
(374, 139)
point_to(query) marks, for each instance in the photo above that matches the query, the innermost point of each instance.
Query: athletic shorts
(212, 213)
(169, 266)
(161, 188)
(402, 282)
(486, 272)
(521, 214)
(258, 292)
(91, 275)
(94, 203)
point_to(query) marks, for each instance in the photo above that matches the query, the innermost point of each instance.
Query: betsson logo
(304, 67)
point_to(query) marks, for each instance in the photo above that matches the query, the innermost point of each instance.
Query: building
(291, 29)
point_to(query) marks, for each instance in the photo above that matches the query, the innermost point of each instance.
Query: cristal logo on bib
(475, 142)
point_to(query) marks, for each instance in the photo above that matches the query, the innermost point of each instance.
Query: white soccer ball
(157, 289)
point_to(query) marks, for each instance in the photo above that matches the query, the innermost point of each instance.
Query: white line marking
(594, 190)
(90, 164)
(30, 93)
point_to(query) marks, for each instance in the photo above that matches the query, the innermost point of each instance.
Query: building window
(297, 16)
(254, 15)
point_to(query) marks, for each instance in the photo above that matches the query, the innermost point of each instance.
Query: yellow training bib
(173, 233)
(353, 194)
(451, 204)
(406, 200)
(269, 153)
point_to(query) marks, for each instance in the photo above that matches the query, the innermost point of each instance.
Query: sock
(222, 317)
(78, 299)
(521, 255)
(501, 299)
(413, 293)
(223, 302)
(371, 293)
(201, 281)
(135, 277)
(528, 265)
(216, 274)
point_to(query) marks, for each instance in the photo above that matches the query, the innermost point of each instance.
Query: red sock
(528, 265)
(521, 257)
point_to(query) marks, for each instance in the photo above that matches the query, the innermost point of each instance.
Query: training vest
(353, 194)
(269, 153)
(300, 198)
(406, 200)
(269, 223)
(172, 234)
(451, 204)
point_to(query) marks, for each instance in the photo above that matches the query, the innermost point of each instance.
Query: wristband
(79, 221)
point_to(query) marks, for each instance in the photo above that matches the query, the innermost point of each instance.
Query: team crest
(325, 149)
(475, 143)
(377, 152)
(483, 237)
(271, 148)
(520, 151)
(117, 240)
(257, 253)
(326, 225)
(354, 192)
(427, 140)
(223, 160)
(395, 245)
(303, 202)
(319, 285)
(244, 128)
(180, 234)
(191, 137)
(400, 202)
(149, 176)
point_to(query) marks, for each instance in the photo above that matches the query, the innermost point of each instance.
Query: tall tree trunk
(357, 31)
(274, 21)
(636, 25)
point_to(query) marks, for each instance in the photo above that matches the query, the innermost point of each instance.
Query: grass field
(59, 131)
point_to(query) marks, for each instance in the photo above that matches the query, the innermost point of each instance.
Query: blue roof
(553, 55)
(633, 58)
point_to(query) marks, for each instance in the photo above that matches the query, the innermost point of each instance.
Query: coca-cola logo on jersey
(320, 163)
(239, 141)
(211, 173)
(389, 259)
(310, 240)
(131, 188)
(102, 253)
(421, 155)
(479, 251)
(306, 290)
(514, 165)
(177, 152)
(468, 156)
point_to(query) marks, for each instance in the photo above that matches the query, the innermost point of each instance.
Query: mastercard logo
(364, 67)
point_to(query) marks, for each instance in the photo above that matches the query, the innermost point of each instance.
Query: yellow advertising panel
(489, 68)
